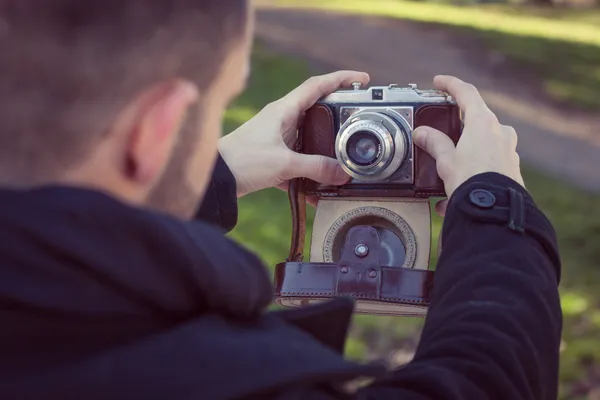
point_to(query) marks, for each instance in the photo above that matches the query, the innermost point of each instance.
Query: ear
(154, 128)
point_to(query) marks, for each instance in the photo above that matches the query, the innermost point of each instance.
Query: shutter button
(482, 198)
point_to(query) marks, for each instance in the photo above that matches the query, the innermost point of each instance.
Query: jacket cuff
(492, 198)
(219, 206)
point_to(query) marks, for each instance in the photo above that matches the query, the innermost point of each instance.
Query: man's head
(124, 96)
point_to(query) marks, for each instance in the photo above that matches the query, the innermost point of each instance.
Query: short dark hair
(68, 66)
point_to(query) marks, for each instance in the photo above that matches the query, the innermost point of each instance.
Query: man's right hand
(485, 144)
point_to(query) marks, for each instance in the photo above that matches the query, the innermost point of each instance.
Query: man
(110, 132)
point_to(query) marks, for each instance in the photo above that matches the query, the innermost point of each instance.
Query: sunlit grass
(573, 303)
(492, 18)
(239, 115)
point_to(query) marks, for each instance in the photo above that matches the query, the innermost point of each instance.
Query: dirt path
(559, 142)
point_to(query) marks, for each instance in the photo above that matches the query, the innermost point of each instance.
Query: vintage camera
(371, 238)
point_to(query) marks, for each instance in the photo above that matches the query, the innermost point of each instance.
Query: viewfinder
(377, 94)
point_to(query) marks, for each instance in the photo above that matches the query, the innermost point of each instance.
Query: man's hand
(485, 144)
(259, 152)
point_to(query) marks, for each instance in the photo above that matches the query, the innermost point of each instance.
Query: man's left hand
(260, 154)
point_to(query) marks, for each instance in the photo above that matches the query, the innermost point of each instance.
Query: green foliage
(265, 227)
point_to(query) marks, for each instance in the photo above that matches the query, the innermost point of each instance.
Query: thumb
(441, 207)
(436, 143)
(318, 168)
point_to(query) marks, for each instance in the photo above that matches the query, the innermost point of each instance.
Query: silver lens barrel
(371, 146)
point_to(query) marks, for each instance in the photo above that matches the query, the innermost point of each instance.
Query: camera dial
(371, 146)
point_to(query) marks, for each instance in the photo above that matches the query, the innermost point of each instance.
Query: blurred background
(537, 64)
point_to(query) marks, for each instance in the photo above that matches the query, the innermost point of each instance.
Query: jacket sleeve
(219, 205)
(494, 325)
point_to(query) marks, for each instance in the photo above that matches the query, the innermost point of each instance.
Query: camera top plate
(388, 94)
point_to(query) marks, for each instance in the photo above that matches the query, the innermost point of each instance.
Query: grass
(508, 20)
(265, 226)
(561, 47)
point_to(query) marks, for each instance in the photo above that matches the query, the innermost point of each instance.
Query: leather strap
(297, 198)
(298, 206)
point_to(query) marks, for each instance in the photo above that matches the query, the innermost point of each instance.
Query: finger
(440, 207)
(308, 93)
(285, 186)
(511, 134)
(437, 144)
(466, 95)
(324, 170)
(313, 201)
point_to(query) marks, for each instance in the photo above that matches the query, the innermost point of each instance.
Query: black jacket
(100, 300)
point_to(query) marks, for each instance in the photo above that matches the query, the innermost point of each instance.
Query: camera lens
(363, 148)
(371, 146)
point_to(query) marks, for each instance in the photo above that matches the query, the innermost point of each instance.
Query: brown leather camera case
(318, 137)
(392, 289)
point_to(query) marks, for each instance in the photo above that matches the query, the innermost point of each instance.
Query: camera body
(369, 131)
(371, 238)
